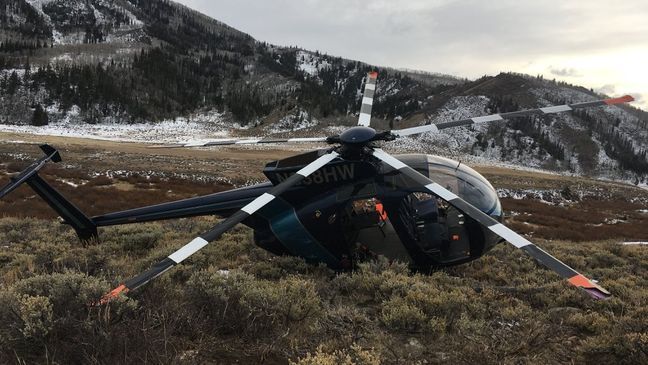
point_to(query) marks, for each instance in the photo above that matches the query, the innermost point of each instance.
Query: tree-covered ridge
(21, 26)
(187, 61)
(165, 82)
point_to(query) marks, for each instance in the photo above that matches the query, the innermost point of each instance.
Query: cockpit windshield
(466, 183)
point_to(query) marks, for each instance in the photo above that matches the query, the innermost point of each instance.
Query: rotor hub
(358, 135)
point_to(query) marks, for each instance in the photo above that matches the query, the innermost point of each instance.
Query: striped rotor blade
(574, 277)
(367, 100)
(199, 242)
(522, 113)
(228, 142)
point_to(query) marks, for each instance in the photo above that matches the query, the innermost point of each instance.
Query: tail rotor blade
(217, 231)
(435, 128)
(574, 277)
(367, 100)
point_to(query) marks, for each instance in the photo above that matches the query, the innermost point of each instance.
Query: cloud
(471, 37)
(639, 98)
(607, 89)
(564, 72)
(466, 38)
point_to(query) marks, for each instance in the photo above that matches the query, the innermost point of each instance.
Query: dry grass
(98, 194)
(502, 308)
(588, 220)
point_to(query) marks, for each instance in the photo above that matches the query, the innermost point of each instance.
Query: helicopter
(341, 204)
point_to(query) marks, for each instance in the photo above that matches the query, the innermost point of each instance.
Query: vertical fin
(85, 228)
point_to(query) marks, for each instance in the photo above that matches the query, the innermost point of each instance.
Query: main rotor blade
(226, 142)
(522, 113)
(367, 100)
(574, 277)
(218, 230)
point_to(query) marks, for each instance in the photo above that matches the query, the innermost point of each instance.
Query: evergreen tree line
(615, 144)
(333, 91)
(22, 45)
(283, 63)
(529, 126)
(532, 127)
(85, 19)
(201, 65)
(31, 23)
(190, 32)
(336, 90)
(158, 84)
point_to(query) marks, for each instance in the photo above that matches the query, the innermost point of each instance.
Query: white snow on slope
(125, 33)
(311, 63)
(294, 122)
(203, 126)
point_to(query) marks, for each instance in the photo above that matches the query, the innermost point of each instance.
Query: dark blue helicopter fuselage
(315, 219)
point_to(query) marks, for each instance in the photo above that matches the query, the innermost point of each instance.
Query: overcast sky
(596, 43)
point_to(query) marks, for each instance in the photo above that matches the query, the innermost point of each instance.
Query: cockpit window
(466, 183)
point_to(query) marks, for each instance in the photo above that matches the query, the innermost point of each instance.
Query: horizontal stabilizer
(85, 228)
(50, 154)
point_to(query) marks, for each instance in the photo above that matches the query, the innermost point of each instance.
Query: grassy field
(235, 303)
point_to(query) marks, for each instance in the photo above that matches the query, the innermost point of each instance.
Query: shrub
(616, 348)
(353, 356)
(398, 314)
(374, 282)
(53, 311)
(589, 323)
(238, 302)
(37, 316)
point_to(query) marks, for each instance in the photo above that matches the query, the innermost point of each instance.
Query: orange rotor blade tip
(122, 289)
(593, 289)
(623, 99)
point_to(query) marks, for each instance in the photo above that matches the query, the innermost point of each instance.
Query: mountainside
(128, 61)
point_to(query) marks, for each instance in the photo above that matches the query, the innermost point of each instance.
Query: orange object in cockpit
(381, 211)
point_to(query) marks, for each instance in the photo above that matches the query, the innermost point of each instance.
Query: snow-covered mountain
(609, 141)
(87, 65)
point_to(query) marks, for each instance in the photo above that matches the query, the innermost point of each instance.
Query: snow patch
(310, 63)
(294, 122)
(206, 126)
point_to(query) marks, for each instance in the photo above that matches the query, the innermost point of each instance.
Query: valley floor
(233, 302)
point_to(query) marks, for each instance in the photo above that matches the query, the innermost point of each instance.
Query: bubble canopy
(466, 183)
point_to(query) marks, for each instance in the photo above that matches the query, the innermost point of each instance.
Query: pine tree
(40, 116)
(13, 84)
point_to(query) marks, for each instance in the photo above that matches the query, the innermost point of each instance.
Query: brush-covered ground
(235, 303)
